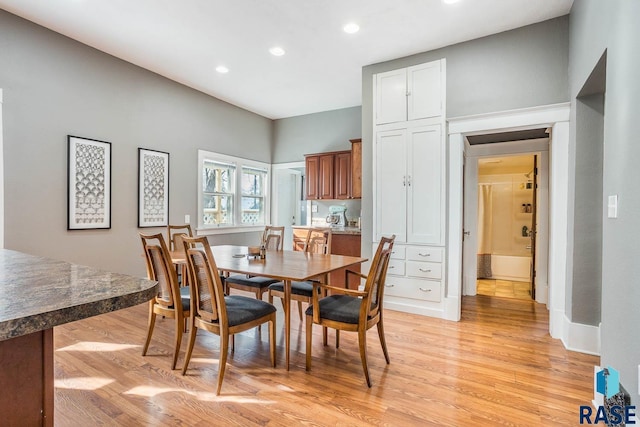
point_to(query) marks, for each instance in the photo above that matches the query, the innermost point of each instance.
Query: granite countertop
(335, 230)
(39, 293)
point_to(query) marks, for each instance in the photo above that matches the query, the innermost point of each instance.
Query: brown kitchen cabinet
(341, 244)
(319, 176)
(336, 175)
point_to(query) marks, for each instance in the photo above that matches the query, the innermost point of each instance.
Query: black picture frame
(153, 188)
(88, 183)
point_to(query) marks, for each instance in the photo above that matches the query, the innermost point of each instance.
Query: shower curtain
(485, 229)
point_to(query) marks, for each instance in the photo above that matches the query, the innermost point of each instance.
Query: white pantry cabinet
(409, 170)
(409, 93)
(409, 184)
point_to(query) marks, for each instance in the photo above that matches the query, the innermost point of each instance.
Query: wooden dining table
(286, 266)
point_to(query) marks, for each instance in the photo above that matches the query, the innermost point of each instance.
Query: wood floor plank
(498, 365)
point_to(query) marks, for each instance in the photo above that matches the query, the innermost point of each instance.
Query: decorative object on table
(153, 188)
(88, 183)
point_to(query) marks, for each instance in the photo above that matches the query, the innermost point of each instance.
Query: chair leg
(270, 298)
(300, 309)
(152, 322)
(383, 343)
(224, 347)
(272, 340)
(179, 325)
(362, 343)
(309, 324)
(337, 338)
(187, 356)
(324, 335)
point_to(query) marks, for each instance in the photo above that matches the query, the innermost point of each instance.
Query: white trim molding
(1, 177)
(556, 117)
(580, 337)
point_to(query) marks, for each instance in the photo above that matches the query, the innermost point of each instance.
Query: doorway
(289, 208)
(506, 218)
(506, 224)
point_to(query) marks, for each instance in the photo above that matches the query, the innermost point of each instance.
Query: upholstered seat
(217, 313)
(297, 288)
(354, 310)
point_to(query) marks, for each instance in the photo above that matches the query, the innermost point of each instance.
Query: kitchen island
(37, 294)
(344, 241)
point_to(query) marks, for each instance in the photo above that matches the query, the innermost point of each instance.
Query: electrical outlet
(187, 219)
(314, 208)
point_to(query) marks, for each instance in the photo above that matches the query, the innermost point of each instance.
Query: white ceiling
(185, 40)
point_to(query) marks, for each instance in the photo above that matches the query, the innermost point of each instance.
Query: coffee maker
(337, 216)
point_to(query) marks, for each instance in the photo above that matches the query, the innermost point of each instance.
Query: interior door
(534, 227)
(288, 182)
(470, 226)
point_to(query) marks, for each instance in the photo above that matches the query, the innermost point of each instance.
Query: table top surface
(281, 265)
(39, 293)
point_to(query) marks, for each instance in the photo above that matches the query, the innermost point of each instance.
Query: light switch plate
(612, 207)
(187, 219)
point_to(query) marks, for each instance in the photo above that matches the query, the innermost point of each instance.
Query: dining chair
(272, 238)
(318, 241)
(175, 233)
(353, 310)
(217, 313)
(172, 301)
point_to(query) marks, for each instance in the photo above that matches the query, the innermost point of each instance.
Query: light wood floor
(498, 366)
(504, 288)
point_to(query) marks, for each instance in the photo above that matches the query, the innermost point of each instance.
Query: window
(232, 192)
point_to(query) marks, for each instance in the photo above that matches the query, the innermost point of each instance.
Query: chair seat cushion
(340, 308)
(297, 288)
(254, 282)
(185, 297)
(241, 309)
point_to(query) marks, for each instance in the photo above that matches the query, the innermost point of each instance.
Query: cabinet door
(312, 174)
(424, 198)
(356, 168)
(391, 96)
(424, 91)
(390, 179)
(342, 163)
(325, 178)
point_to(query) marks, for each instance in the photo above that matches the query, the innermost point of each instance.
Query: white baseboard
(415, 309)
(581, 338)
(451, 309)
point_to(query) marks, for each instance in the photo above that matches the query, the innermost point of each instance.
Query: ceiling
(185, 40)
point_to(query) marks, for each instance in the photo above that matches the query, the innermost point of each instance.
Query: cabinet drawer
(396, 267)
(426, 290)
(428, 270)
(417, 253)
(398, 252)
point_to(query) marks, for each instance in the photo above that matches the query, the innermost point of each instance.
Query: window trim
(239, 163)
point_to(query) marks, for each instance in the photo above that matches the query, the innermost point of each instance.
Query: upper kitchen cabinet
(333, 175)
(411, 93)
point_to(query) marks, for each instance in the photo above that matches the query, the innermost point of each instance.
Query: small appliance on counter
(337, 216)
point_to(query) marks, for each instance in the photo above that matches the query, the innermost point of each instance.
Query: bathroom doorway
(506, 216)
(506, 226)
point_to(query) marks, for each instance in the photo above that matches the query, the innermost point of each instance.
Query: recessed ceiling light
(351, 28)
(276, 51)
(222, 69)
(450, 1)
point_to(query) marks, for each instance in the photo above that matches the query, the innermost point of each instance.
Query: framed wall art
(153, 188)
(88, 183)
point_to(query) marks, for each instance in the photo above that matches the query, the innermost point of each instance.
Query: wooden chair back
(207, 292)
(374, 285)
(160, 268)
(273, 237)
(176, 233)
(318, 241)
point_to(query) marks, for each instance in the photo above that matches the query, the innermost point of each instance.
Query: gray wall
(521, 68)
(315, 133)
(54, 86)
(583, 300)
(596, 26)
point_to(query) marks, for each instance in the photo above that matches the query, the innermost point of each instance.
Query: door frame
(533, 147)
(554, 116)
(1, 178)
(275, 168)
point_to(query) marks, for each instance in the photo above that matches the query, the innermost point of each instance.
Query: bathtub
(507, 267)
